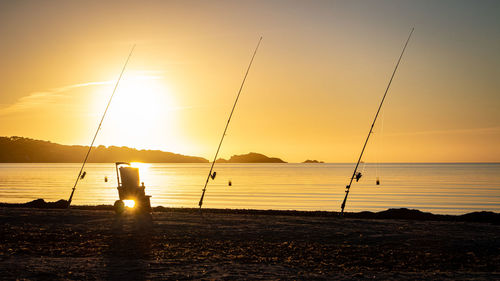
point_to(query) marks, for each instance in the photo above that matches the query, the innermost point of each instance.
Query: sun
(142, 99)
(142, 106)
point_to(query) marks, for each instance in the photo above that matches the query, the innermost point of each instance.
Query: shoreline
(393, 213)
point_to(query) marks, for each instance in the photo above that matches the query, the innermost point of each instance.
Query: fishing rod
(210, 175)
(358, 175)
(80, 174)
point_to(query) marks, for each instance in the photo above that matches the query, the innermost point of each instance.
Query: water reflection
(441, 188)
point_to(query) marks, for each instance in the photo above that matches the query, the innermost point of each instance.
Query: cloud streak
(41, 98)
(485, 130)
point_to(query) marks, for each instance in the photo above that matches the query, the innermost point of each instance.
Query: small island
(312, 161)
(251, 157)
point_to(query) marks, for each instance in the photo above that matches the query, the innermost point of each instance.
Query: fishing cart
(132, 194)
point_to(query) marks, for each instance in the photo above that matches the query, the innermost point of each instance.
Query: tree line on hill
(26, 150)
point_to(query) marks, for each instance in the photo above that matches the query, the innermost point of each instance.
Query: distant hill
(251, 157)
(312, 161)
(25, 150)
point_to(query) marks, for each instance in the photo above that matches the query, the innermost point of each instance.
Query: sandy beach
(321, 140)
(93, 244)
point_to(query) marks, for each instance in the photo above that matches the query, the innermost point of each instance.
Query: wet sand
(92, 244)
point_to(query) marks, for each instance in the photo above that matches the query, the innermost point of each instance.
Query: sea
(438, 188)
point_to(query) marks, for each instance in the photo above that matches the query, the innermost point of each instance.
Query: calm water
(439, 188)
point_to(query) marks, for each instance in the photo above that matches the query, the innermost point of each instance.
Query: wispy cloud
(41, 98)
(455, 131)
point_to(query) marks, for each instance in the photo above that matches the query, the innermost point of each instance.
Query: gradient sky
(311, 94)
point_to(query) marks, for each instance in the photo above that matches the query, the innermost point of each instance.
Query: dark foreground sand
(77, 244)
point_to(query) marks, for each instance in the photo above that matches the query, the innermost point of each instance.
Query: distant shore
(25, 150)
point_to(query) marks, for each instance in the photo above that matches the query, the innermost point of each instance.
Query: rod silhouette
(99, 127)
(227, 125)
(348, 187)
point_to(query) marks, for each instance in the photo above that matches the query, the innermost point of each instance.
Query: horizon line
(324, 162)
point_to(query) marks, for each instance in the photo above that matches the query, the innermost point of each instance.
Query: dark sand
(49, 244)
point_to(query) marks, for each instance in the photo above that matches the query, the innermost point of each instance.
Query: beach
(94, 244)
(250, 140)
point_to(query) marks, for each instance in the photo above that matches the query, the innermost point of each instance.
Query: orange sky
(311, 94)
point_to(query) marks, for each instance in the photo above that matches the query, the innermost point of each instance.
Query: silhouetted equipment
(105, 179)
(83, 175)
(377, 182)
(354, 174)
(213, 175)
(358, 176)
(99, 127)
(229, 183)
(130, 189)
(227, 124)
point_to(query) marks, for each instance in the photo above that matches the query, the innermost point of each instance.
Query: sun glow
(142, 101)
(142, 107)
(129, 203)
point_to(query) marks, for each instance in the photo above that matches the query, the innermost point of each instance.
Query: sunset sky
(312, 92)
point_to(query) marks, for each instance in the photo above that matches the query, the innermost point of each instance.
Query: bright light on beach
(129, 203)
